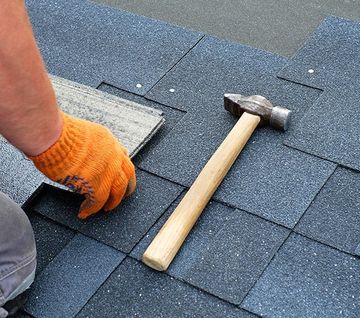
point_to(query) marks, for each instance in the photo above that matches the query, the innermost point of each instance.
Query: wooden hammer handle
(168, 241)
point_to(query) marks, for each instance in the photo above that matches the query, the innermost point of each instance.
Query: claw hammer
(253, 111)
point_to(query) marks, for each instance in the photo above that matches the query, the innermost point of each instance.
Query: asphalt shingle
(18, 176)
(289, 180)
(225, 253)
(131, 123)
(121, 228)
(82, 267)
(334, 216)
(50, 239)
(331, 54)
(91, 43)
(307, 279)
(330, 129)
(172, 117)
(139, 291)
(214, 67)
(228, 252)
(330, 60)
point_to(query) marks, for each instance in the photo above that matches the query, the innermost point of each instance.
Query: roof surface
(281, 236)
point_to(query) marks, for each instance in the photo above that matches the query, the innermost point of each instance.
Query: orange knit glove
(88, 159)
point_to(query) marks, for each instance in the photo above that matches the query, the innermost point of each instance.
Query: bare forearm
(29, 116)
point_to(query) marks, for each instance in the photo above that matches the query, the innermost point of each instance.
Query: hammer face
(257, 105)
(231, 104)
(237, 104)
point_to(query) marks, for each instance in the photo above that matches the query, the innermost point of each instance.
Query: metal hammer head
(277, 117)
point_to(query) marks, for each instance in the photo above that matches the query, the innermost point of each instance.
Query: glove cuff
(71, 138)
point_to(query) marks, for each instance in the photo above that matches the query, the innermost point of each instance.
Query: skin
(29, 116)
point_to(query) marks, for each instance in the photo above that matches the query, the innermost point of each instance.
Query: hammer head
(277, 117)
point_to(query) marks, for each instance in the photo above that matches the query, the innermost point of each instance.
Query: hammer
(253, 111)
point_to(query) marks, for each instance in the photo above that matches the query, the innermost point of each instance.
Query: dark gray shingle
(172, 117)
(121, 228)
(225, 253)
(334, 216)
(139, 291)
(69, 281)
(330, 60)
(307, 279)
(90, 43)
(268, 179)
(50, 239)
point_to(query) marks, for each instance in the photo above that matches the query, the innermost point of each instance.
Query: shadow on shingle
(121, 228)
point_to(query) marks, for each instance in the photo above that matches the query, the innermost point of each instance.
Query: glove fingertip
(83, 215)
(131, 186)
(86, 209)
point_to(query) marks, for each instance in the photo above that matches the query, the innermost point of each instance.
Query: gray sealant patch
(91, 43)
(69, 281)
(334, 216)
(307, 279)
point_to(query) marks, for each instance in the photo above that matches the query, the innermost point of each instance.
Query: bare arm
(29, 116)
(82, 155)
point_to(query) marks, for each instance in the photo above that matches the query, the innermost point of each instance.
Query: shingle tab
(331, 54)
(172, 117)
(18, 176)
(331, 129)
(334, 216)
(131, 123)
(307, 279)
(91, 43)
(268, 178)
(214, 67)
(139, 291)
(330, 60)
(225, 253)
(82, 267)
(121, 228)
(50, 239)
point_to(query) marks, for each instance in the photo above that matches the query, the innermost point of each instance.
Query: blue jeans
(17, 251)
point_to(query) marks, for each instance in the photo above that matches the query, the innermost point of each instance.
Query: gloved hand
(88, 159)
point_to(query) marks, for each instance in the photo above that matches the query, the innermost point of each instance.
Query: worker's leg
(17, 254)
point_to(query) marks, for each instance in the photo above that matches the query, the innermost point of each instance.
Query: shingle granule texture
(90, 43)
(139, 291)
(307, 279)
(82, 267)
(330, 60)
(334, 216)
